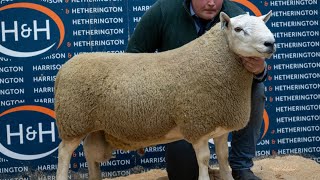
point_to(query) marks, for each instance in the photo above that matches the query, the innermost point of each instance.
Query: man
(169, 24)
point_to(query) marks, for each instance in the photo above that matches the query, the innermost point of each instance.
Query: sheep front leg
(66, 148)
(202, 151)
(221, 147)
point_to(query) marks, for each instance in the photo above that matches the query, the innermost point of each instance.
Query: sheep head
(248, 36)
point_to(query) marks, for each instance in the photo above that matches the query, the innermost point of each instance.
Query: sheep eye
(237, 29)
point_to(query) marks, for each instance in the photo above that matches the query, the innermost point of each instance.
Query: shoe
(244, 174)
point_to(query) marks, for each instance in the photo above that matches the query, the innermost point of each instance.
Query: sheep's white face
(248, 36)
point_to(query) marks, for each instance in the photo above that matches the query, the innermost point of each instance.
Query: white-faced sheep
(128, 101)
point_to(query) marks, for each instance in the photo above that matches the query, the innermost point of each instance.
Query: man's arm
(147, 34)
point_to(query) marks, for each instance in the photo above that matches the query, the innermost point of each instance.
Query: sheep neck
(209, 57)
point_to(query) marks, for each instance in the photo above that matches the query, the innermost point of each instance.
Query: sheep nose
(269, 44)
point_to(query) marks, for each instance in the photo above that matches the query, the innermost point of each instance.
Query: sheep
(132, 100)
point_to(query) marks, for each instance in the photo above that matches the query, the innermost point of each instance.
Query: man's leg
(181, 161)
(243, 144)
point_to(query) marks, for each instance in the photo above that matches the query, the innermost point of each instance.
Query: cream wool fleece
(137, 98)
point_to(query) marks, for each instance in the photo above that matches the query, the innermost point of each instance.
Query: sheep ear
(225, 20)
(266, 17)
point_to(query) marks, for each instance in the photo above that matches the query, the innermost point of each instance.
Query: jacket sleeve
(146, 37)
(232, 8)
(262, 76)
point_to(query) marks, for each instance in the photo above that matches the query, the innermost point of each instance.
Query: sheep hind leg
(221, 148)
(202, 151)
(66, 148)
(96, 150)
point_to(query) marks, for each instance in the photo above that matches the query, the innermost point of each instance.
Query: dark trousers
(181, 159)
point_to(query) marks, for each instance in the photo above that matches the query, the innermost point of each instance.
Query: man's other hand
(254, 65)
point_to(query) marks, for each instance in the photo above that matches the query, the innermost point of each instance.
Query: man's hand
(253, 64)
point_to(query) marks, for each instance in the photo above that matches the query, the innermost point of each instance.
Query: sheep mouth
(267, 53)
